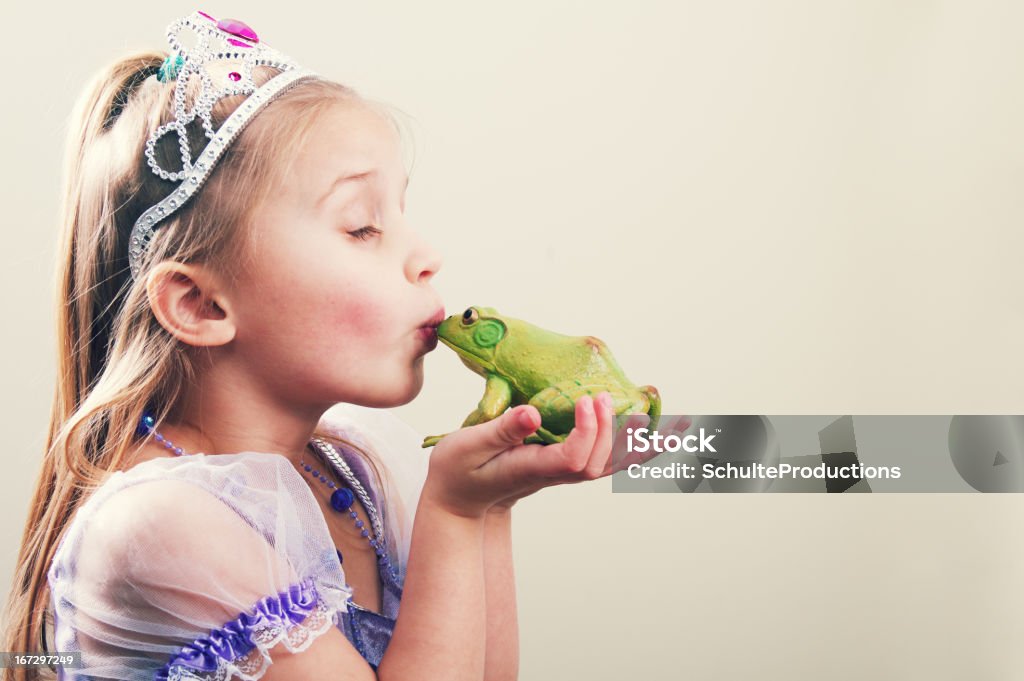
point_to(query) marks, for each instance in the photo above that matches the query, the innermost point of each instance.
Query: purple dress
(196, 567)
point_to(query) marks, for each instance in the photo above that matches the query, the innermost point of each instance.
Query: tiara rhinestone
(216, 59)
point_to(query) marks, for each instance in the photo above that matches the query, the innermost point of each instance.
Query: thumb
(508, 429)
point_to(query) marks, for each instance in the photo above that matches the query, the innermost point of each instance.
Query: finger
(577, 446)
(625, 458)
(603, 438)
(678, 426)
(604, 444)
(615, 462)
(619, 441)
(484, 440)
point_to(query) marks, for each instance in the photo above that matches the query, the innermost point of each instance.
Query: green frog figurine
(525, 364)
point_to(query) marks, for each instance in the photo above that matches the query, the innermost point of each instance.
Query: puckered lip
(435, 320)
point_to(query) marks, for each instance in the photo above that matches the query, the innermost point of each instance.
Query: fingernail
(525, 418)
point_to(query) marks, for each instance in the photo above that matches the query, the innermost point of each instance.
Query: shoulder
(193, 487)
(210, 508)
(245, 525)
(170, 506)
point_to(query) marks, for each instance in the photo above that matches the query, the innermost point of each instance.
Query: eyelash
(364, 233)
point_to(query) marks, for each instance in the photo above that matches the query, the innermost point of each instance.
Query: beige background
(763, 207)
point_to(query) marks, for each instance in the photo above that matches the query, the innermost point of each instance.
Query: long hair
(114, 359)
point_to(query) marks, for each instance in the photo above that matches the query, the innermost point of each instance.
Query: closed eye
(364, 233)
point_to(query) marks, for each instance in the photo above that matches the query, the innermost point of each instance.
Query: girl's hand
(487, 468)
(611, 466)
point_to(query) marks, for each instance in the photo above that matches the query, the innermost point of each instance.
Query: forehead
(349, 135)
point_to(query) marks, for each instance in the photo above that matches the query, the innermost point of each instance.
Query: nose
(424, 262)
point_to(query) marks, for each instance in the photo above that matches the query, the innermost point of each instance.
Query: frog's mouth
(468, 357)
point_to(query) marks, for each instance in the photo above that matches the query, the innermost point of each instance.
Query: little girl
(221, 495)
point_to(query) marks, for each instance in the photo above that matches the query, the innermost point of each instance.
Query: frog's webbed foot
(476, 416)
(432, 440)
(544, 436)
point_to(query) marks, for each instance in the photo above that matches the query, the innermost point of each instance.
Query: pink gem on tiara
(235, 76)
(238, 28)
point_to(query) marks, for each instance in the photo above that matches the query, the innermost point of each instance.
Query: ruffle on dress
(296, 616)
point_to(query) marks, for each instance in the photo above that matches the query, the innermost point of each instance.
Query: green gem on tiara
(170, 68)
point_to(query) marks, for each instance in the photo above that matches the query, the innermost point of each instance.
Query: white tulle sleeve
(195, 568)
(398, 446)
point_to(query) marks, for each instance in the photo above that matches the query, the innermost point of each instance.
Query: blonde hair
(114, 358)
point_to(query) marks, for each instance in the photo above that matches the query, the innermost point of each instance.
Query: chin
(396, 397)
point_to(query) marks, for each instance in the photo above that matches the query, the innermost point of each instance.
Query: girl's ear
(188, 301)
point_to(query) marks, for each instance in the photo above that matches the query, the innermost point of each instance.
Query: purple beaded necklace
(342, 497)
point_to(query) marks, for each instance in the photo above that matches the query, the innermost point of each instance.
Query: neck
(224, 415)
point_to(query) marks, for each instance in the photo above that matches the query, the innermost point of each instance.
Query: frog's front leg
(497, 397)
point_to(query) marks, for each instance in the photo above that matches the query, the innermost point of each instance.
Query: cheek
(358, 316)
(311, 294)
(360, 311)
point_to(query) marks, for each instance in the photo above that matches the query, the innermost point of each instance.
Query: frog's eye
(470, 316)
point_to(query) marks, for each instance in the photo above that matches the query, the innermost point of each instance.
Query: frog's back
(536, 359)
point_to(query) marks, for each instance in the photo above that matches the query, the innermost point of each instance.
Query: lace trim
(296, 616)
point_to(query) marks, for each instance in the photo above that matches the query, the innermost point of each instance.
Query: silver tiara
(221, 56)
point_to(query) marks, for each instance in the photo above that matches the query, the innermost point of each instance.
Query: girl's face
(330, 306)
